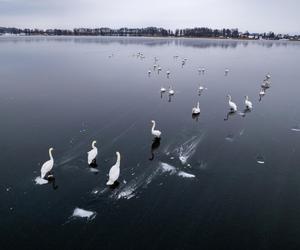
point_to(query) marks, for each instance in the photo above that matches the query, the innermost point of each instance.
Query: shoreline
(154, 37)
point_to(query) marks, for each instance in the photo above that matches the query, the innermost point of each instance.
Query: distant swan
(248, 103)
(163, 90)
(171, 91)
(48, 165)
(232, 105)
(196, 110)
(92, 154)
(149, 72)
(266, 84)
(262, 92)
(155, 133)
(226, 71)
(114, 171)
(159, 68)
(154, 66)
(168, 73)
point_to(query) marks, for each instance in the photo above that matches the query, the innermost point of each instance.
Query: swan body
(266, 83)
(154, 66)
(201, 88)
(114, 171)
(248, 104)
(262, 92)
(226, 71)
(232, 105)
(196, 110)
(149, 72)
(92, 154)
(171, 91)
(48, 165)
(159, 68)
(163, 90)
(168, 72)
(154, 132)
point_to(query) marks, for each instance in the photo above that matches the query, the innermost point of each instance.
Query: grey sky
(253, 15)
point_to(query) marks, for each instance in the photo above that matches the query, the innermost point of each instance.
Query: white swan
(48, 165)
(248, 104)
(92, 154)
(168, 72)
(159, 68)
(114, 171)
(196, 110)
(232, 105)
(262, 92)
(171, 91)
(149, 72)
(163, 90)
(155, 133)
(154, 66)
(201, 88)
(226, 71)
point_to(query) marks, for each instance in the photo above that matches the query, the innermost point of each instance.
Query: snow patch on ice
(79, 212)
(40, 181)
(185, 174)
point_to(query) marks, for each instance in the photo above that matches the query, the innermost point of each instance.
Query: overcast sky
(281, 16)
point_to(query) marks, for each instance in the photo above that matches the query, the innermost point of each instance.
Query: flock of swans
(114, 171)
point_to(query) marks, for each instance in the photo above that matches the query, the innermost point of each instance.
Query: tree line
(151, 32)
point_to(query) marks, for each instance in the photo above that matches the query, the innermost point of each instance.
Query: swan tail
(110, 182)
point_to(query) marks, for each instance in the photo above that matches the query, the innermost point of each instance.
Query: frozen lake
(215, 181)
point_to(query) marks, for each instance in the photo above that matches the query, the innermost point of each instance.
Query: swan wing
(46, 168)
(156, 133)
(92, 155)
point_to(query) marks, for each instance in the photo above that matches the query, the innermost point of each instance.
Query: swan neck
(50, 154)
(118, 159)
(153, 126)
